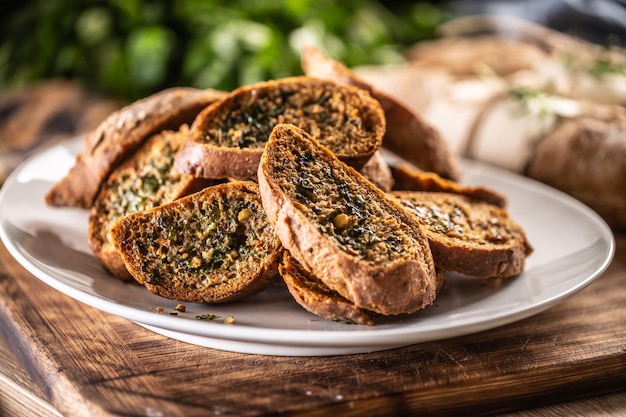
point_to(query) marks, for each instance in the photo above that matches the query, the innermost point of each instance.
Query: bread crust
(378, 171)
(217, 163)
(407, 178)
(314, 296)
(120, 134)
(408, 134)
(227, 138)
(402, 284)
(171, 249)
(468, 236)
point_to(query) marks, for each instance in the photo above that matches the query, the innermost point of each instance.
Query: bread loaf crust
(120, 134)
(586, 158)
(469, 236)
(408, 134)
(400, 284)
(212, 246)
(227, 138)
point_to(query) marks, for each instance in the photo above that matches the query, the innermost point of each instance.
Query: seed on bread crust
(228, 137)
(380, 261)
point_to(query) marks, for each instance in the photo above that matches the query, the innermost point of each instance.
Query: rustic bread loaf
(228, 137)
(212, 246)
(586, 158)
(543, 104)
(145, 180)
(119, 135)
(315, 296)
(407, 134)
(407, 178)
(344, 230)
(468, 56)
(468, 236)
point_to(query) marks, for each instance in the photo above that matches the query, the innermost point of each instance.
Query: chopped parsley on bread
(212, 246)
(228, 137)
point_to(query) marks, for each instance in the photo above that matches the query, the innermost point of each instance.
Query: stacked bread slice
(286, 178)
(141, 182)
(118, 137)
(213, 246)
(343, 229)
(228, 137)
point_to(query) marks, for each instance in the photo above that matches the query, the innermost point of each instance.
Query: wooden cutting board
(92, 363)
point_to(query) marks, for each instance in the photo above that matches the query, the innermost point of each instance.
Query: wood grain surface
(18, 395)
(87, 362)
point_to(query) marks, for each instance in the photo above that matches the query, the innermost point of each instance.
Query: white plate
(572, 247)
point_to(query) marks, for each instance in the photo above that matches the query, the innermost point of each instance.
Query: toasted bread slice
(348, 233)
(228, 137)
(406, 178)
(212, 246)
(315, 296)
(119, 135)
(143, 181)
(407, 134)
(468, 236)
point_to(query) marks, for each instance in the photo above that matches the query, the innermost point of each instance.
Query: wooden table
(84, 362)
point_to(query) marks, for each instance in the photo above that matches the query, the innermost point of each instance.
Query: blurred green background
(131, 48)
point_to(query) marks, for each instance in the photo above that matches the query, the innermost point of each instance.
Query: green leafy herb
(531, 101)
(129, 49)
(524, 93)
(208, 316)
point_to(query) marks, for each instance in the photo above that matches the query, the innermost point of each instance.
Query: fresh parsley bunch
(132, 48)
